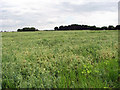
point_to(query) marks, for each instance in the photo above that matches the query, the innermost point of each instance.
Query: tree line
(27, 29)
(74, 27)
(86, 27)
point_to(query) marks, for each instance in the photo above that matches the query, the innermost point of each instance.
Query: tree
(27, 29)
(56, 28)
(92, 27)
(110, 27)
(61, 28)
(117, 27)
(104, 28)
(19, 30)
(86, 27)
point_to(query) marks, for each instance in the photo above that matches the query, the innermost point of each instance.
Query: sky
(47, 14)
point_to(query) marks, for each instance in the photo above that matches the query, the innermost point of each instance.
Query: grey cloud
(33, 16)
(88, 7)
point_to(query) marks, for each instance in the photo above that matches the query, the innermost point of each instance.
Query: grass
(60, 59)
(0, 61)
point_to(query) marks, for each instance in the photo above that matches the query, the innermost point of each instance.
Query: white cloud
(9, 22)
(46, 14)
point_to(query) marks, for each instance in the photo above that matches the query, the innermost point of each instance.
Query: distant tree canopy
(86, 27)
(27, 29)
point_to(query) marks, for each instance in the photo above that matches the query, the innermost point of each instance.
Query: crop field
(60, 59)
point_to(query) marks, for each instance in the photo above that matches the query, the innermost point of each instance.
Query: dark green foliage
(117, 27)
(86, 27)
(27, 29)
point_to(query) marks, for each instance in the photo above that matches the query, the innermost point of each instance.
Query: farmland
(60, 59)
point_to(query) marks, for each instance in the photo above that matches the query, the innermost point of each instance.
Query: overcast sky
(46, 14)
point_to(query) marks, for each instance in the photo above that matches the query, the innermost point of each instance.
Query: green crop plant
(60, 59)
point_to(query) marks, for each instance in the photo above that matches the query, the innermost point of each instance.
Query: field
(60, 59)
